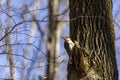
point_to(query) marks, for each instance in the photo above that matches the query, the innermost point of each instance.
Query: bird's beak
(63, 37)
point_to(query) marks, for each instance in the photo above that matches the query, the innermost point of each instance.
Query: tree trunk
(91, 25)
(8, 41)
(53, 42)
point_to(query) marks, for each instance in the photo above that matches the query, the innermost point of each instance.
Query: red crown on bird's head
(66, 38)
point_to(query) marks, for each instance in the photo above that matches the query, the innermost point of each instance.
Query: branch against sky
(28, 34)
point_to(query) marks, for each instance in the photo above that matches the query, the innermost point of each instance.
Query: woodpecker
(68, 44)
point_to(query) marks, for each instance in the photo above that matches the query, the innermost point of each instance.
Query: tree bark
(91, 25)
(53, 42)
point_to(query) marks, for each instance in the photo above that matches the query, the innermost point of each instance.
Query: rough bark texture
(91, 25)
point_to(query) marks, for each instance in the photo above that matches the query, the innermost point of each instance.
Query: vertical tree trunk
(53, 42)
(91, 25)
(8, 41)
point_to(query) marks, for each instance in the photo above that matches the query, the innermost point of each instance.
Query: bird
(68, 44)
